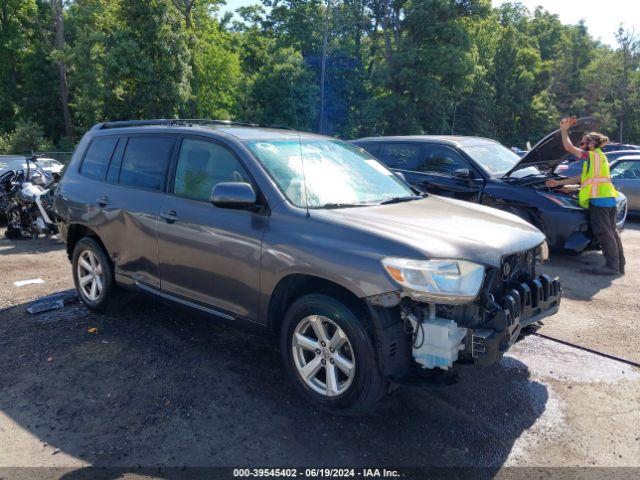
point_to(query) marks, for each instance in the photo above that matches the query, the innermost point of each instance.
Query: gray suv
(366, 283)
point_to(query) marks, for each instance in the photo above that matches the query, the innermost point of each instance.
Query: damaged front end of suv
(456, 311)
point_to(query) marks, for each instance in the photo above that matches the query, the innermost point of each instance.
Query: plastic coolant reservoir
(439, 342)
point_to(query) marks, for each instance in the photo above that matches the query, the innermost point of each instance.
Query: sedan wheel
(323, 356)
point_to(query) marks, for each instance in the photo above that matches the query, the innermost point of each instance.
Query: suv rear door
(209, 255)
(121, 191)
(130, 200)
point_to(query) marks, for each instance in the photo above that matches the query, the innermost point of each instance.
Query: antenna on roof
(295, 116)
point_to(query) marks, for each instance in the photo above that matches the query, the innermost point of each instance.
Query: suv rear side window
(145, 162)
(96, 160)
(402, 156)
(203, 164)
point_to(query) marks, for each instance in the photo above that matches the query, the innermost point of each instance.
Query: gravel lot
(158, 386)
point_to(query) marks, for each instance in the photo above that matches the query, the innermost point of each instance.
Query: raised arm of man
(565, 125)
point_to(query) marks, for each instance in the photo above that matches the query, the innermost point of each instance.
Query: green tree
(38, 95)
(518, 79)
(25, 138)
(283, 92)
(14, 31)
(130, 60)
(387, 66)
(568, 86)
(436, 65)
(217, 75)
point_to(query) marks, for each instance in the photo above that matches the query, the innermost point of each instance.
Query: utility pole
(325, 38)
(453, 123)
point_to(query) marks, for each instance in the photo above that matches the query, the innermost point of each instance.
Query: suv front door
(209, 255)
(445, 172)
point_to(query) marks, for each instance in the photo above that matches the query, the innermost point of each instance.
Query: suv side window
(442, 159)
(402, 156)
(96, 160)
(201, 165)
(116, 161)
(145, 162)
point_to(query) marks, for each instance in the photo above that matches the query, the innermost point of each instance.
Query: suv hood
(548, 153)
(445, 228)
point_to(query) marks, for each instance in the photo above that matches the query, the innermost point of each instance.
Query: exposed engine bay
(538, 182)
(512, 298)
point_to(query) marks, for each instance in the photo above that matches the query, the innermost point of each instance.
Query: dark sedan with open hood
(484, 171)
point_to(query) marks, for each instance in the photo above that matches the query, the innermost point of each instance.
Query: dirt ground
(601, 313)
(156, 386)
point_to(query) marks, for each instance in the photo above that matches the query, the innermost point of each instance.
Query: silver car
(625, 173)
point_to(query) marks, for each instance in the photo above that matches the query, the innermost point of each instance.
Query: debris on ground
(52, 302)
(31, 281)
(93, 330)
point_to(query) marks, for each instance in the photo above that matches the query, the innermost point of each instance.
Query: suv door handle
(170, 216)
(102, 201)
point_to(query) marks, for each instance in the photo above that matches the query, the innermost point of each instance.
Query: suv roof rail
(177, 122)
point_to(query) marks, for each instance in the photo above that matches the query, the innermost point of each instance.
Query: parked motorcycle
(26, 197)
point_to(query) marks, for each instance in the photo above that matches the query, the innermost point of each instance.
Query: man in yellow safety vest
(596, 193)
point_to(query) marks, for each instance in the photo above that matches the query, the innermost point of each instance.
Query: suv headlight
(441, 281)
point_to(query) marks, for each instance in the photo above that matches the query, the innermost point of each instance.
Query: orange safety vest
(595, 181)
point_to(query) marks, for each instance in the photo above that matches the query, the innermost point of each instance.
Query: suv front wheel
(92, 274)
(329, 355)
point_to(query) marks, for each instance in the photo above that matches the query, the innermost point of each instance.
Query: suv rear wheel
(92, 274)
(329, 355)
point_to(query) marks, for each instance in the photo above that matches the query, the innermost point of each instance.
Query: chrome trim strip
(173, 298)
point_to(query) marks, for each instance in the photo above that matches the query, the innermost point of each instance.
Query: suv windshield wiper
(400, 199)
(346, 205)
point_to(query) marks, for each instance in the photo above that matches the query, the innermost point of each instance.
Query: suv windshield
(497, 159)
(337, 174)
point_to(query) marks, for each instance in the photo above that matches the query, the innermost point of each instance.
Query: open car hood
(548, 153)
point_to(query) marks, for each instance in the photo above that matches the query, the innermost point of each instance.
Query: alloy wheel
(323, 356)
(90, 275)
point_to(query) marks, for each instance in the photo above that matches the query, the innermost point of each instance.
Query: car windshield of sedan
(497, 159)
(321, 173)
(7, 164)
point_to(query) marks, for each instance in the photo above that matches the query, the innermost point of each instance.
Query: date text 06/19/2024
(316, 472)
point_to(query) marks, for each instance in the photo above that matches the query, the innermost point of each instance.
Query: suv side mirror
(233, 195)
(462, 173)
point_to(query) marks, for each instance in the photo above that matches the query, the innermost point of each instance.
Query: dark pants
(603, 224)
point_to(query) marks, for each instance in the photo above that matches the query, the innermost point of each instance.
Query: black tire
(108, 285)
(366, 386)
(13, 233)
(528, 217)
